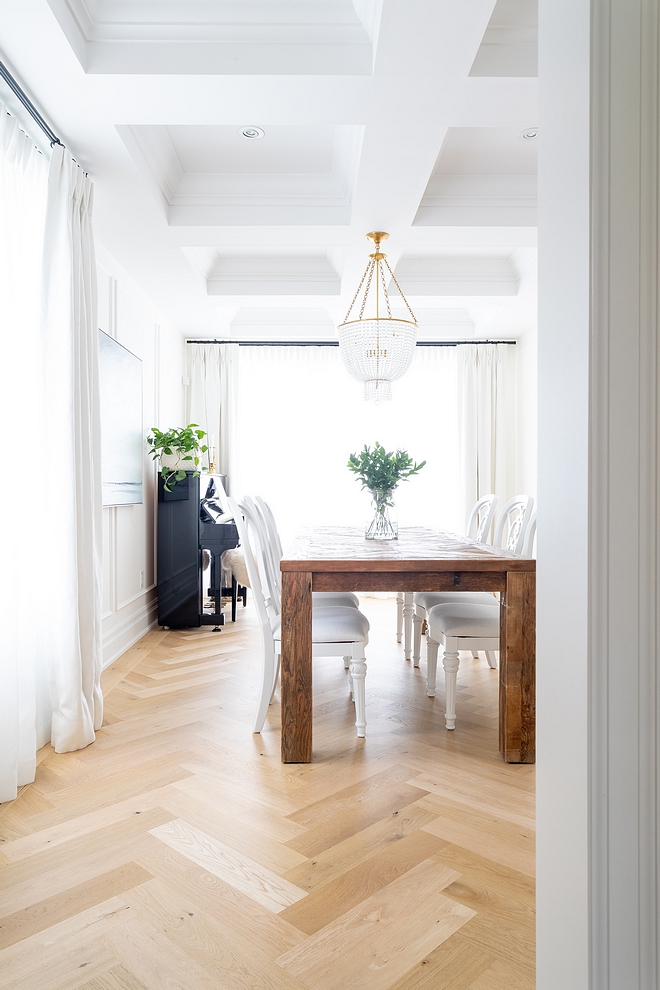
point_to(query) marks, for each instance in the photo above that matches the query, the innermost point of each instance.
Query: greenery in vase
(381, 470)
(184, 444)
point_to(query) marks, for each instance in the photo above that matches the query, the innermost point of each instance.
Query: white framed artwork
(122, 442)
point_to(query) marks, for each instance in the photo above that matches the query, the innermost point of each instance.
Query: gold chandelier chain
(357, 291)
(385, 293)
(370, 269)
(401, 293)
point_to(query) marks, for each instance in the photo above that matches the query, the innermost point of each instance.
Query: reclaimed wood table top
(344, 548)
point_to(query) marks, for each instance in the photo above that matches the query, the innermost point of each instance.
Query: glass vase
(383, 523)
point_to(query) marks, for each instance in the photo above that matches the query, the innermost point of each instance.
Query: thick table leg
(296, 683)
(518, 667)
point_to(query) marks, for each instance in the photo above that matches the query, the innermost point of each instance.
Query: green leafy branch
(182, 443)
(382, 470)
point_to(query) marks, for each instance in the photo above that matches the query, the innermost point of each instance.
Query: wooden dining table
(341, 559)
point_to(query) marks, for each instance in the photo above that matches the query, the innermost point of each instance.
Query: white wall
(129, 558)
(563, 909)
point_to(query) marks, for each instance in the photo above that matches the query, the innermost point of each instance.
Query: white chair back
(529, 549)
(258, 581)
(271, 562)
(481, 519)
(513, 522)
(267, 513)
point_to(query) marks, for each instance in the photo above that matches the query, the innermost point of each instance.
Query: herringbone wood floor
(178, 853)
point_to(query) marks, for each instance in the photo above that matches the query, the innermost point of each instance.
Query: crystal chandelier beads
(377, 349)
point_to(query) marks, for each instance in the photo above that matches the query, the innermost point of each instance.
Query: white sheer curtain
(300, 416)
(71, 432)
(482, 429)
(24, 698)
(50, 500)
(213, 373)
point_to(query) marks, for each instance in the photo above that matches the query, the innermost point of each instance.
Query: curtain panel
(212, 401)
(482, 430)
(50, 506)
(71, 430)
(25, 709)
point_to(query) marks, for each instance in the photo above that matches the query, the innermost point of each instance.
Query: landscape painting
(121, 422)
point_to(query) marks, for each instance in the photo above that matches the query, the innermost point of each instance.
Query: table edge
(395, 566)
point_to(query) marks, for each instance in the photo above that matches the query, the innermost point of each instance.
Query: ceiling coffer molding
(510, 43)
(450, 276)
(484, 176)
(218, 37)
(212, 176)
(302, 275)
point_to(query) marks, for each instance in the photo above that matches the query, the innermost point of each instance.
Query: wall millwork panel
(599, 495)
(624, 495)
(129, 548)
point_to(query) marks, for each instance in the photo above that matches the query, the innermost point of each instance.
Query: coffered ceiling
(398, 115)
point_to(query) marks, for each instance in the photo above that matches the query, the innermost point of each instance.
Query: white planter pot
(174, 462)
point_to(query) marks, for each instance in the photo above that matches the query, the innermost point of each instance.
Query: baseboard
(128, 631)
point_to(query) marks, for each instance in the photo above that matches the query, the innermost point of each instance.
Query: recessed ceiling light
(529, 133)
(252, 133)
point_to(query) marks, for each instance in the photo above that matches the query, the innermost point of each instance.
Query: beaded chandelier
(378, 349)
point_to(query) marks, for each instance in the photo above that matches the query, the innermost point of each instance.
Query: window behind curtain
(300, 415)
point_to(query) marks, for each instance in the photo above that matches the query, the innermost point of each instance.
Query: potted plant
(380, 471)
(178, 451)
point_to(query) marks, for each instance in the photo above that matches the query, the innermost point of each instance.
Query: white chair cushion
(335, 624)
(325, 598)
(475, 621)
(427, 599)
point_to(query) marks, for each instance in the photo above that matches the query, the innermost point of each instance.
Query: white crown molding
(467, 276)
(246, 198)
(476, 199)
(510, 42)
(306, 275)
(215, 38)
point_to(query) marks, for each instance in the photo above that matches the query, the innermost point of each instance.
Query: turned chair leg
(347, 663)
(492, 659)
(358, 674)
(408, 611)
(450, 662)
(431, 665)
(399, 615)
(418, 622)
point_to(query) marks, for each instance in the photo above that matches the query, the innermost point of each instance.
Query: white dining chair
(478, 528)
(529, 549)
(510, 531)
(458, 627)
(319, 598)
(462, 625)
(336, 630)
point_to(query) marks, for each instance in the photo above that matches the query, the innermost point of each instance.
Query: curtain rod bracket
(29, 105)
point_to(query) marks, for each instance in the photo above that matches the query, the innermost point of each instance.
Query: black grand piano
(193, 533)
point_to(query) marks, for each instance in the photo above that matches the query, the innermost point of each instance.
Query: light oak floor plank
(45, 914)
(218, 950)
(377, 942)
(262, 885)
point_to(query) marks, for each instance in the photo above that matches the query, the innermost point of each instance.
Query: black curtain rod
(29, 105)
(335, 343)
